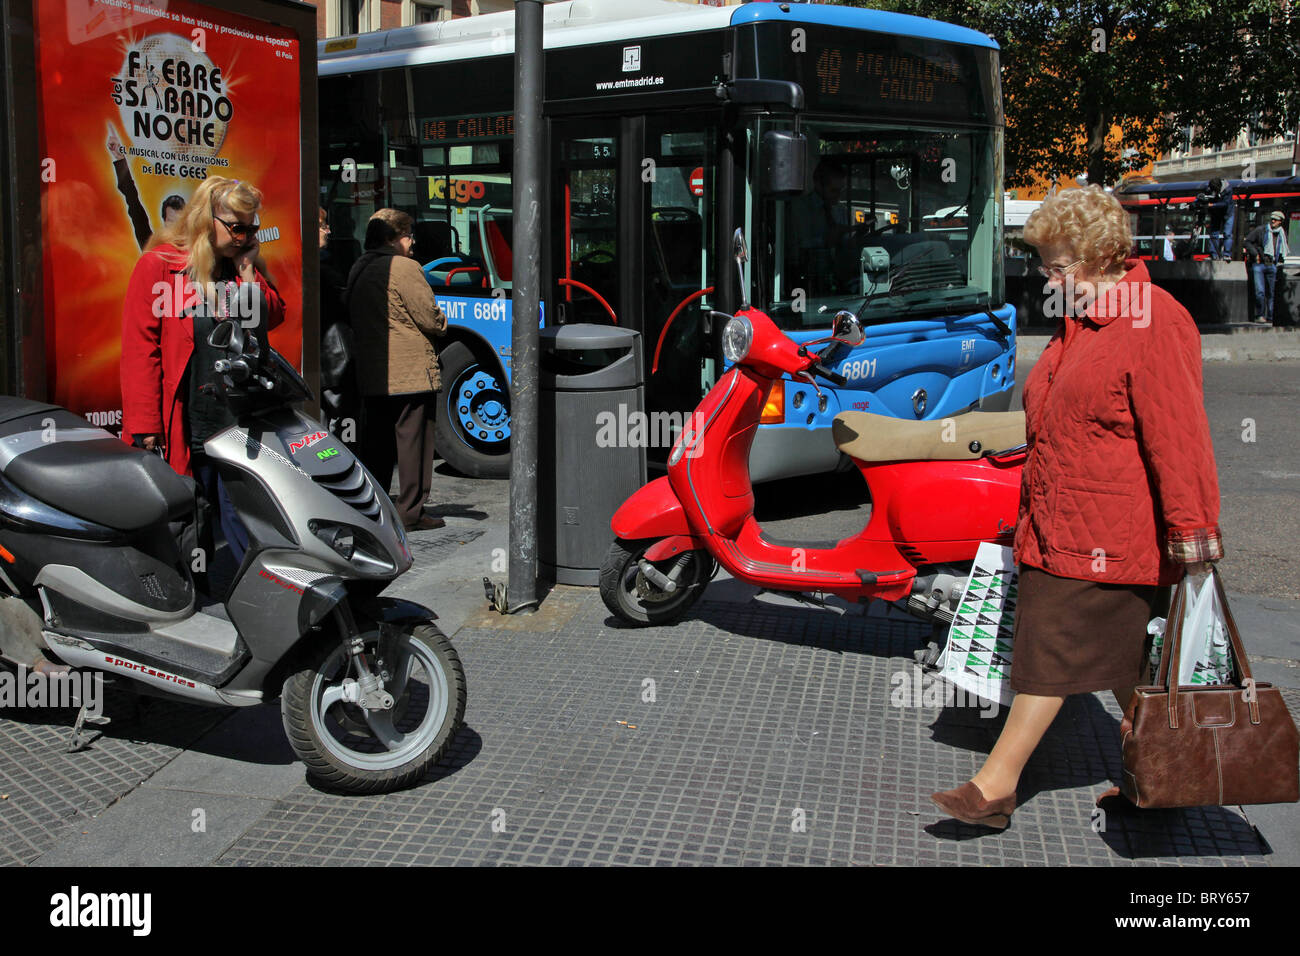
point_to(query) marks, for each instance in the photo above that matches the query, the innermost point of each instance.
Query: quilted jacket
(394, 318)
(1121, 468)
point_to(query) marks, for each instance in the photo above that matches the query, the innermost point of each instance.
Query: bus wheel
(473, 422)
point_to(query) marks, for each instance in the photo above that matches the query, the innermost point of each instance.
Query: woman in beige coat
(395, 319)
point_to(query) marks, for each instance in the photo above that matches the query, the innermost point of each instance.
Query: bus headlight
(737, 337)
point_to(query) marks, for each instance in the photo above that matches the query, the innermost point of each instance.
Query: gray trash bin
(591, 388)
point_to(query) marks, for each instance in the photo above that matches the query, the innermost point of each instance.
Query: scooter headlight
(342, 539)
(737, 337)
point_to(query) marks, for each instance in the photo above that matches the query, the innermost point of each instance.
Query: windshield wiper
(1004, 330)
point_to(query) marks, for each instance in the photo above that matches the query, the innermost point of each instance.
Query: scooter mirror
(847, 329)
(742, 256)
(228, 336)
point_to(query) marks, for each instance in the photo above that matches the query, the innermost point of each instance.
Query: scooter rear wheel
(631, 597)
(349, 748)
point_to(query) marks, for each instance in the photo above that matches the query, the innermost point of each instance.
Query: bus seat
(499, 248)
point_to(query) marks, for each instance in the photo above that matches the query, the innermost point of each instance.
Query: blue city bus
(661, 120)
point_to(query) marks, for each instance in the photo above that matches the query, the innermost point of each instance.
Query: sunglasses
(238, 230)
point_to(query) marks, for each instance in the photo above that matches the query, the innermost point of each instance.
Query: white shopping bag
(1206, 656)
(978, 654)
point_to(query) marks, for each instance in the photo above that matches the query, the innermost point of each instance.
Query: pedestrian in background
(1119, 496)
(340, 404)
(1266, 250)
(394, 320)
(186, 282)
(1218, 196)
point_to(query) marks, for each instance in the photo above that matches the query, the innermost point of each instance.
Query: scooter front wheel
(634, 598)
(361, 750)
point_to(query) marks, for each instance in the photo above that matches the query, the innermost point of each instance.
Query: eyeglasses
(239, 230)
(1059, 272)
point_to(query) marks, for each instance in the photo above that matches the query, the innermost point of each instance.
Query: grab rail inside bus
(582, 286)
(681, 305)
(466, 269)
(457, 264)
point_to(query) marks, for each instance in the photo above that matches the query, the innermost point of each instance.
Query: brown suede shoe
(968, 805)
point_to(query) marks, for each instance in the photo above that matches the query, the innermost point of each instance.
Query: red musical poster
(140, 102)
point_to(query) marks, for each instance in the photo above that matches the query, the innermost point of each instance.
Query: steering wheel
(684, 213)
(597, 257)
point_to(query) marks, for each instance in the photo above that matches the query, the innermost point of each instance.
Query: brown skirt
(1075, 637)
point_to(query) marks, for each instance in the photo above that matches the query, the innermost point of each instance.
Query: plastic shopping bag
(1206, 656)
(978, 654)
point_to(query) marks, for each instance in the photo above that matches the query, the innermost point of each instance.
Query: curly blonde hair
(193, 230)
(1089, 220)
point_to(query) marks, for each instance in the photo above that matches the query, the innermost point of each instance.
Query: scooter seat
(868, 437)
(61, 459)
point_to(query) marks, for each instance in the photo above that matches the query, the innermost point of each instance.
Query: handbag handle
(1238, 648)
(1169, 662)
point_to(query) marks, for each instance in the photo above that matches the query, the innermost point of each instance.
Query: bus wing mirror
(784, 164)
(754, 92)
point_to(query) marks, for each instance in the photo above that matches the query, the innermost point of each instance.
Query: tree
(1152, 68)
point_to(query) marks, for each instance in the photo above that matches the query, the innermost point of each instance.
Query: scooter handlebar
(835, 378)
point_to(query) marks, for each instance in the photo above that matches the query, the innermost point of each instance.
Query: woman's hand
(151, 442)
(245, 259)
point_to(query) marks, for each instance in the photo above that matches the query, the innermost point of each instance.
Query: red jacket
(156, 349)
(1120, 465)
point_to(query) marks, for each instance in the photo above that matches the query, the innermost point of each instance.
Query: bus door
(633, 210)
(585, 231)
(677, 289)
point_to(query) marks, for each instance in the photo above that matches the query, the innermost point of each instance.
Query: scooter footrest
(884, 577)
(174, 657)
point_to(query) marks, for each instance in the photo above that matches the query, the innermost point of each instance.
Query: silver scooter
(96, 571)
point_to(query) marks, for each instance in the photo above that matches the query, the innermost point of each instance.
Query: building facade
(1247, 157)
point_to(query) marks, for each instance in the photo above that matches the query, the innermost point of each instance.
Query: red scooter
(938, 489)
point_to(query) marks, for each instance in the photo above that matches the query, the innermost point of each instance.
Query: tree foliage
(1150, 67)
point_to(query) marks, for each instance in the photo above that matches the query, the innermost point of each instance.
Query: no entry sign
(697, 181)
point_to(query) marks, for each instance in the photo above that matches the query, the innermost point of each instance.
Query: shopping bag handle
(1169, 661)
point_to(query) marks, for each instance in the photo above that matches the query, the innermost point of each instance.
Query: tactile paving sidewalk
(45, 792)
(770, 738)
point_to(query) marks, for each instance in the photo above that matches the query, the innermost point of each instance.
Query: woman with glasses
(395, 319)
(1119, 496)
(201, 269)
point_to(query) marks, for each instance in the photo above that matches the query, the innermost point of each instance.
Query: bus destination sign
(878, 74)
(463, 129)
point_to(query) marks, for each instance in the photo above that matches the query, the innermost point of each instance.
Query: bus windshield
(898, 223)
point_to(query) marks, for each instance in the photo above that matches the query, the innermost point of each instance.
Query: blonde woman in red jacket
(1120, 494)
(199, 270)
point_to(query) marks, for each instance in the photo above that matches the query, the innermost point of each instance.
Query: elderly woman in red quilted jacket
(1119, 495)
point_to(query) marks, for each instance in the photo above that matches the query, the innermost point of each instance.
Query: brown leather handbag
(1220, 744)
